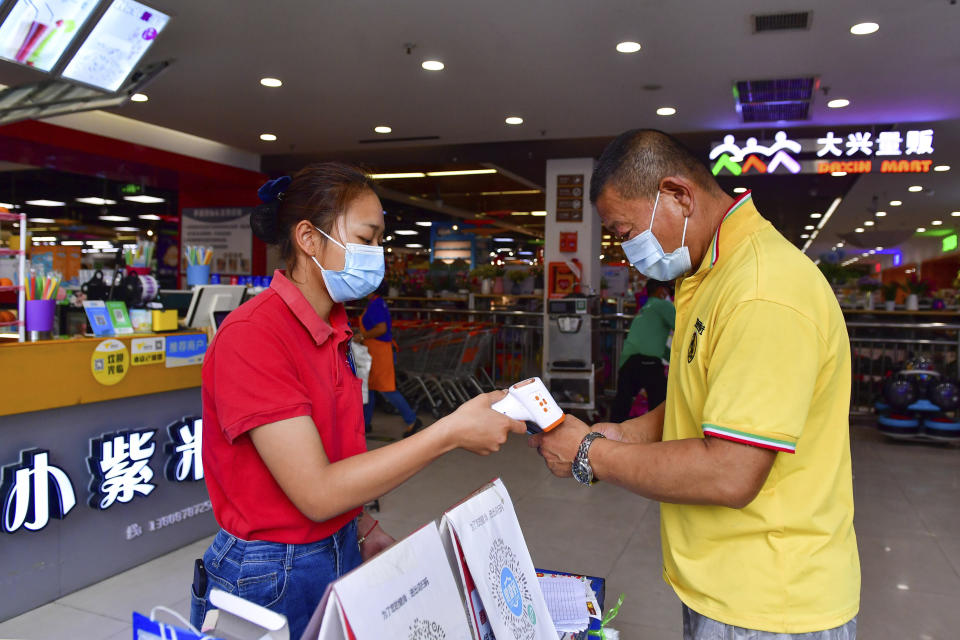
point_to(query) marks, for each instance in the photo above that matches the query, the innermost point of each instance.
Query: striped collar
(730, 231)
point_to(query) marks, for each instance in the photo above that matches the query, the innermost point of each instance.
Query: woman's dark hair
(319, 193)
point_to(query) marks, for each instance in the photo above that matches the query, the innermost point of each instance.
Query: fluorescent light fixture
(740, 190)
(915, 188)
(524, 253)
(628, 47)
(538, 213)
(115, 218)
(829, 213)
(432, 65)
(942, 167)
(504, 250)
(394, 176)
(414, 245)
(514, 120)
(503, 239)
(868, 223)
(139, 97)
(273, 83)
(96, 201)
(895, 203)
(149, 216)
(382, 129)
(45, 203)
(406, 232)
(7, 205)
(666, 111)
(519, 213)
(809, 227)
(903, 587)
(804, 236)
(921, 229)
(936, 223)
(44, 239)
(955, 214)
(268, 137)
(461, 172)
(144, 199)
(126, 229)
(880, 214)
(838, 174)
(72, 243)
(41, 221)
(859, 229)
(838, 103)
(864, 28)
(99, 243)
(515, 192)
(816, 215)
(423, 223)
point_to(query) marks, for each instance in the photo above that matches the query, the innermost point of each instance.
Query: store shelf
(10, 252)
(12, 288)
(15, 217)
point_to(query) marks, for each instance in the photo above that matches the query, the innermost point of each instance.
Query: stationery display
(198, 265)
(141, 256)
(484, 541)
(407, 591)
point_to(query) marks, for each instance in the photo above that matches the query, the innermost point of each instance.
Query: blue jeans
(699, 627)
(396, 399)
(287, 578)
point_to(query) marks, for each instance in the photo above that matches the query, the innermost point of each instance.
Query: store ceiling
(345, 69)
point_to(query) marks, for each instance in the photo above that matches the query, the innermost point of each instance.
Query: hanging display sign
(856, 152)
(227, 231)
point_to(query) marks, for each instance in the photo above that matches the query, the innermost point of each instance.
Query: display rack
(20, 322)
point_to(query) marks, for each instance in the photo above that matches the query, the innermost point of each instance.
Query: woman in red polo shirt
(284, 451)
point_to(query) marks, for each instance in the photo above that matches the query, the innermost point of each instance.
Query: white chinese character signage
(185, 462)
(854, 152)
(121, 467)
(34, 491)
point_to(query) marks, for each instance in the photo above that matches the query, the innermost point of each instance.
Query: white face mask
(362, 272)
(648, 257)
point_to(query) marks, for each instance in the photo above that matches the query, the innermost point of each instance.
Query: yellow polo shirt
(761, 356)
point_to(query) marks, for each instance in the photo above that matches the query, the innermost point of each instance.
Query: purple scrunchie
(273, 189)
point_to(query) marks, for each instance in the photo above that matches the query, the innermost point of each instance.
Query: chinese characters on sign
(895, 151)
(109, 362)
(35, 490)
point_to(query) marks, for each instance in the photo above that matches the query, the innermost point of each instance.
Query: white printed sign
(407, 592)
(227, 231)
(483, 536)
(150, 350)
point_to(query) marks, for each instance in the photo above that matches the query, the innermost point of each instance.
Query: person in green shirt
(646, 345)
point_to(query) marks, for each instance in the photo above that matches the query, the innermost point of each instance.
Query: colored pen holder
(198, 274)
(40, 315)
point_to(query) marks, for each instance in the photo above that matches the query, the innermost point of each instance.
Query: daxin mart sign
(857, 152)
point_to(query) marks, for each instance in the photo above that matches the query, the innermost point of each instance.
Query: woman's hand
(375, 542)
(476, 427)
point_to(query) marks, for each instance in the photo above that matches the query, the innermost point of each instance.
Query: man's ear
(681, 191)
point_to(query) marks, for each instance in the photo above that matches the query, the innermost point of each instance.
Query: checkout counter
(100, 450)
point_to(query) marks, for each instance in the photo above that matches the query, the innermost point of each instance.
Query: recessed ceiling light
(740, 190)
(406, 232)
(41, 220)
(879, 249)
(149, 232)
(414, 245)
(804, 236)
(45, 203)
(96, 201)
(383, 129)
(921, 229)
(942, 167)
(456, 228)
(432, 65)
(628, 47)
(666, 111)
(538, 213)
(955, 214)
(895, 203)
(394, 176)
(915, 188)
(423, 223)
(149, 216)
(809, 227)
(144, 199)
(868, 223)
(838, 103)
(115, 218)
(460, 172)
(864, 28)
(880, 214)
(838, 174)
(816, 215)
(937, 223)
(126, 228)
(859, 229)
(271, 82)
(139, 97)
(514, 120)
(268, 137)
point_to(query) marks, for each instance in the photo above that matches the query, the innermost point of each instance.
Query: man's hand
(610, 430)
(559, 446)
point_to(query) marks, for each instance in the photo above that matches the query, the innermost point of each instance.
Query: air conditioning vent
(781, 21)
(774, 100)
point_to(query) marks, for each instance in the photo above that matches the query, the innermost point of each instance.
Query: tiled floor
(908, 526)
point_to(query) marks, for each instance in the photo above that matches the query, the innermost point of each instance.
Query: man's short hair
(637, 160)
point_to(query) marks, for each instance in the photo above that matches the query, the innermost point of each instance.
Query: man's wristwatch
(582, 470)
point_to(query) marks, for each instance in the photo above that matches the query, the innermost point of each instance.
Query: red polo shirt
(274, 358)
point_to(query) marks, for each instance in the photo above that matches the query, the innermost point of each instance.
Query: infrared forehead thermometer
(530, 401)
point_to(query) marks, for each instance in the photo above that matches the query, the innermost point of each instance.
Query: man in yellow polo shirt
(750, 453)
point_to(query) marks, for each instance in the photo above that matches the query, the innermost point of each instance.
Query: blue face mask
(361, 275)
(647, 256)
